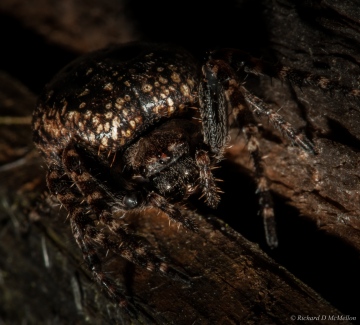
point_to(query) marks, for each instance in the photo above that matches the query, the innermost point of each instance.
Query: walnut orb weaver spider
(142, 125)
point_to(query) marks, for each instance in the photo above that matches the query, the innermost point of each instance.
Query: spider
(143, 125)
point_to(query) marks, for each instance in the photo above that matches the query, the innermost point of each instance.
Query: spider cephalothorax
(143, 125)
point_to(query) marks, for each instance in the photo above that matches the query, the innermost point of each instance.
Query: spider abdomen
(108, 98)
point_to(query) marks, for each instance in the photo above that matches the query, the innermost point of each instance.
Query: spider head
(164, 159)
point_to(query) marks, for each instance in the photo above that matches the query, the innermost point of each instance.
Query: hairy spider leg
(158, 201)
(261, 109)
(215, 129)
(251, 131)
(242, 61)
(224, 74)
(83, 228)
(239, 98)
(213, 112)
(266, 211)
(125, 244)
(206, 179)
(235, 93)
(96, 196)
(265, 198)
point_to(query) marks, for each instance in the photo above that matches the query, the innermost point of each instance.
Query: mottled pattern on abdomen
(110, 97)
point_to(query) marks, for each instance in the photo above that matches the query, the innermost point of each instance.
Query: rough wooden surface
(234, 281)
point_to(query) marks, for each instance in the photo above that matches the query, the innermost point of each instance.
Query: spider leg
(122, 243)
(242, 61)
(213, 112)
(172, 211)
(83, 228)
(206, 179)
(236, 94)
(260, 108)
(265, 198)
(239, 100)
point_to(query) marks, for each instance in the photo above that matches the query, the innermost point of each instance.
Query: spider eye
(164, 158)
(131, 200)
